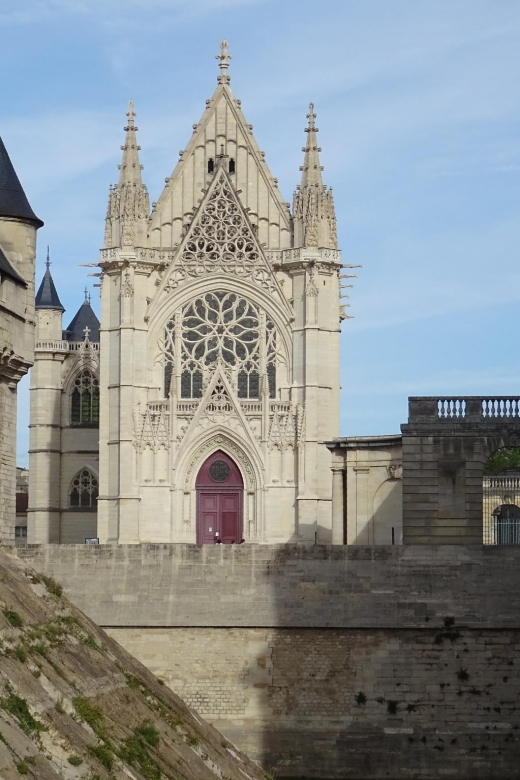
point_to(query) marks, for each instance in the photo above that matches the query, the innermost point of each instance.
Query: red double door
(220, 492)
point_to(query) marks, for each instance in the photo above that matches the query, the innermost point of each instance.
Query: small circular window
(219, 471)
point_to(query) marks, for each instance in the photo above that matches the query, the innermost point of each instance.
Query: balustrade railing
(52, 346)
(251, 407)
(189, 406)
(59, 345)
(75, 346)
(158, 406)
(463, 408)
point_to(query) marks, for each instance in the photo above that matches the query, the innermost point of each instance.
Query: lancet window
(83, 491)
(84, 401)
(221, 328)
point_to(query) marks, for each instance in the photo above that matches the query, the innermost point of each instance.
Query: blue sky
(419, 115)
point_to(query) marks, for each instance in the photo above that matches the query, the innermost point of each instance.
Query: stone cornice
(12, 366)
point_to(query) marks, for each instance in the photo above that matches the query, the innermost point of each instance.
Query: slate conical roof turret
(13, 200)
(128, 201)
(84, 323)
(47, 296)
(313, 205)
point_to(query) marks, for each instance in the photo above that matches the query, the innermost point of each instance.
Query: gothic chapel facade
(219, 349)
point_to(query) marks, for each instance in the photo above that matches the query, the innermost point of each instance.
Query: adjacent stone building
(63, 448)
(18, 226)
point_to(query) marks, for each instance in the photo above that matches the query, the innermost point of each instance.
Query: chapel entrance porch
(220, 492)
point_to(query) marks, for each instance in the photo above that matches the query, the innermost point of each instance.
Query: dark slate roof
(84, 318)
(8, 269)
(13, 200)
(47, 297)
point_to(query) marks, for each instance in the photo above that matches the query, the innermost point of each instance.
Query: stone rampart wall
(288, 586)
(351, 703)
(324, 662)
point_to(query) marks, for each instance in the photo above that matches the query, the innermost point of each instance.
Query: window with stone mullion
(83, 491)
(84, 402)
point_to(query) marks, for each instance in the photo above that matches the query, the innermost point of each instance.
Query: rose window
(221, 328)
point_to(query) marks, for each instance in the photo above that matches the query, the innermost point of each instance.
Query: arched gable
(191, 457)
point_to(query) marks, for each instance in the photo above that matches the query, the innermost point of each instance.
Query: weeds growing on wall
(18, 708)
(52, 586)
(135, 751)
(13, 617)
(91, 714)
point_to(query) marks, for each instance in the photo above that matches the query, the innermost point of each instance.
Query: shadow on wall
(432, 700)
(383, 523)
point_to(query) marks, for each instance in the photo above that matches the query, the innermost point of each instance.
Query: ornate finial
(130, 113)
(86, 295)
(48, 261)
(86, 331)
(311, 116)
(224, 58)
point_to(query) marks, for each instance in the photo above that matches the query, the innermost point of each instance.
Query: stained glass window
(84, 402)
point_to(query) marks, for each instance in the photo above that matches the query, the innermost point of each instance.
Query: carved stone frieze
(127, 289)
(152, 429)
(285, 428)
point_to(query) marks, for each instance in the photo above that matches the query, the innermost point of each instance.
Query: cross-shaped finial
(86, 331)
(48, 261)
(130, 113)
(224, 58)
(86, 294)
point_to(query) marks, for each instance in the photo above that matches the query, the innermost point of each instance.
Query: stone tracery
(222, 240)
(221, 328)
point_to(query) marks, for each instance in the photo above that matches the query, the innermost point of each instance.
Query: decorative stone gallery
(220, 327)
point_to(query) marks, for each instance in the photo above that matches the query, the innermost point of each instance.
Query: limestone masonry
(326, 602)
(18, 226)
(75, 706)
(199, 407)
(325, 662)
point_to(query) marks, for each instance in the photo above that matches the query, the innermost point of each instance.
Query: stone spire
(128, 202)
(313, 205)
(47, 296)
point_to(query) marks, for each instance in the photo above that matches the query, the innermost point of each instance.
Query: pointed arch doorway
(220, 500)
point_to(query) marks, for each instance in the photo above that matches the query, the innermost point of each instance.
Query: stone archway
(220, 501)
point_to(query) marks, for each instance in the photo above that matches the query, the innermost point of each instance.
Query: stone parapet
(288, 586)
